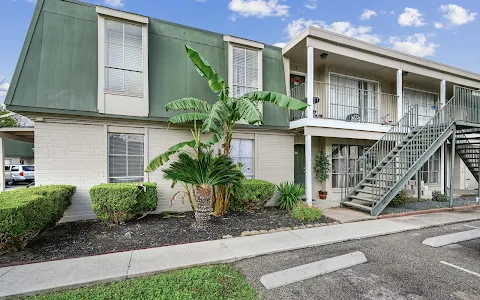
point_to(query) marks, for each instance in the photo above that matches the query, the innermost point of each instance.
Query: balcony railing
(348, 104)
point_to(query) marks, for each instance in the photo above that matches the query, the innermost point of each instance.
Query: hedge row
(119, 202)
(26, 212)
(251, 194)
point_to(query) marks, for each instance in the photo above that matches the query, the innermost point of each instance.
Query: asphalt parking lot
(399, 267)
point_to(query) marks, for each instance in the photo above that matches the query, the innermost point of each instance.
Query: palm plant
(289, 194)
(220, 117)
(203, 172)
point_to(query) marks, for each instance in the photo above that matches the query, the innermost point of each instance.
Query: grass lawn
(210, 282)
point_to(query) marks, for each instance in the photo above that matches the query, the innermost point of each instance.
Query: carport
(21, 134)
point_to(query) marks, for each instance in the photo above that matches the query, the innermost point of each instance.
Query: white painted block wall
(71, 154)
(77, 154)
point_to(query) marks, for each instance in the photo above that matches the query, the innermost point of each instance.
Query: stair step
(375, 179)
(370, 192)
(372, 185)
(361, 198)
(358, 206)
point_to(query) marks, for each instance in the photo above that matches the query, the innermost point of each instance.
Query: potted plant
(322, 171)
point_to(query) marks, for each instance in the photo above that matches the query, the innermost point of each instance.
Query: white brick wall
(77, 154)
(274, 159)
(71, 154)
(159, 141)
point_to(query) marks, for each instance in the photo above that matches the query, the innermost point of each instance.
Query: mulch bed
(427, 205)
(84, 238)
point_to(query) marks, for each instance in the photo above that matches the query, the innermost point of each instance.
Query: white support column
(2, 165)
(443, 98)
(310, 82)
(400, 111)
(308, 169)
(443, 92)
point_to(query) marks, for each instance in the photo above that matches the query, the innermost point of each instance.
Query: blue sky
(444, 31)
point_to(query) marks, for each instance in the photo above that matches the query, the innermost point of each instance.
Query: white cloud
(258, 8)
(115, 3)
(438, 25)
(31, 1)
(416, 44)
(345, 28)
(411, 17)
(281, 45)
(367, 14)
(201, 1)
(311, 4)
(3, 91)
(457, 15)
(232, 17)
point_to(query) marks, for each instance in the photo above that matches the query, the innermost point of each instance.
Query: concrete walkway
(346, 215)
(63, 274)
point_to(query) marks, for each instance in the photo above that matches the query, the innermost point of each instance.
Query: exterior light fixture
(404, 73)
(323, 55)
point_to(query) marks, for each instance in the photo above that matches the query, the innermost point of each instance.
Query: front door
(299, 164)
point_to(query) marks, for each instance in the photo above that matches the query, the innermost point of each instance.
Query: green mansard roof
(57, 69)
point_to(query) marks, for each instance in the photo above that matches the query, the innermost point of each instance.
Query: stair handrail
(396, 134)
(396, 164)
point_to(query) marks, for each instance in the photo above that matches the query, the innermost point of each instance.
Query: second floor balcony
(349, 104)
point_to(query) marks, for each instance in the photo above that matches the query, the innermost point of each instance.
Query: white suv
(22, 173)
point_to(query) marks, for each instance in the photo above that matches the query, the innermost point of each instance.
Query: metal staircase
(467, 146)
(376, 177)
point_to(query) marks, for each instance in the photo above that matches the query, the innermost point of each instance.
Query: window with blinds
(242, 152)
(125, 157)
(245, 71)
(123, 58)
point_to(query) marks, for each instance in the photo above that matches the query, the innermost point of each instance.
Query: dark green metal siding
(60, 66)
(18, 149)
(274, 81)
(171, 73)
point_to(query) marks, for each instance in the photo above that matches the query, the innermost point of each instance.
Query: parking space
(399, 267)
(16, 186)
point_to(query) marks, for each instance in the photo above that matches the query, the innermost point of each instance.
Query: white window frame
(250, 45)
(406, 108)
(342, 180)
(429, 168)
(106, 66)
(379, 91)
(253, 172)
(125, 100)
(143, 178)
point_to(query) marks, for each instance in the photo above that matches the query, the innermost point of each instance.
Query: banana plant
(220, 117)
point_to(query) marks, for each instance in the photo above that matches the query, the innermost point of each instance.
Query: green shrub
(119, 202)
(251, 194)
(439, 197)
(305, 214)
(289, 194)
(26, 212)
(401, 198)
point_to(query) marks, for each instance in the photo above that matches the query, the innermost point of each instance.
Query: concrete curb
(452, 238)
(429, 211)
(311, 270)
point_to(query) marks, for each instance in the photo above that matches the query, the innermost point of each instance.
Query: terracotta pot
(322, 195)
